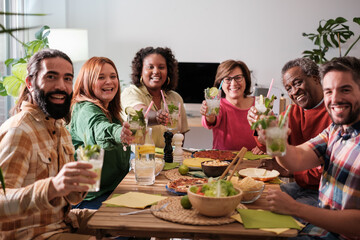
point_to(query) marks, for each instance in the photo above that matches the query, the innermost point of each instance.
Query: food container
(215, 206)
(252, 196)
(214, 168)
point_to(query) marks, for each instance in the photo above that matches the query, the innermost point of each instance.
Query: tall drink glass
(96, 160)
(173, 116)
(260, 104)
(276, 139)
(138, 128)
(212, 101)
(145, 164)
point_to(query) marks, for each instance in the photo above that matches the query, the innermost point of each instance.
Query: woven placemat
(174, 174)
(174, 212)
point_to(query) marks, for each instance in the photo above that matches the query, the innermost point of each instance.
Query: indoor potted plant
(330, 34)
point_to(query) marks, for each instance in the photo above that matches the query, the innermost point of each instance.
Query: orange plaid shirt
(33, 149)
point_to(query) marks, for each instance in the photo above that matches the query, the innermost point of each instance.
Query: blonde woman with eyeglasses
(231, 130)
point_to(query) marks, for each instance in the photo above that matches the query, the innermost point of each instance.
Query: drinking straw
(271, 84)
(179, 106)
(165, 104)
(285, 117)
(148, 109)
(221, 84)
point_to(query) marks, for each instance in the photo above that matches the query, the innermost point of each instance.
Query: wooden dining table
(107, 219)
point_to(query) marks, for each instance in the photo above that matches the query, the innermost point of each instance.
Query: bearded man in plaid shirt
(37, 158)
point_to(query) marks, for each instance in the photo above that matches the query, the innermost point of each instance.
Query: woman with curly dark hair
(155, 70)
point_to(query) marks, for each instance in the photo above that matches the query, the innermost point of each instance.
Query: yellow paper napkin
(135, 200)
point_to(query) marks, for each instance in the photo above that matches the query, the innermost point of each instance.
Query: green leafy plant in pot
(14, 83)
(330, 34)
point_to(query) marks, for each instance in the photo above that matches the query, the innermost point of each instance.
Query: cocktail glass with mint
(173, 116)
(276, 138)
(277, 134)
(94, 155)
(137, 123)
(212, 97)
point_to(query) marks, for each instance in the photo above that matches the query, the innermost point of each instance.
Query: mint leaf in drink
(264, 122)
(88, 151)
(138, 116)
(172, 107)
(269, 103)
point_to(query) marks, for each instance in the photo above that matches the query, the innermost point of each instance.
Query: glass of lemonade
(145, 163)
(96, 159)
(173, 116)
(276, 139)
(212, 97)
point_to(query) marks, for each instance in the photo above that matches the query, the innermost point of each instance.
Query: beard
(349, 119)
(56, 111)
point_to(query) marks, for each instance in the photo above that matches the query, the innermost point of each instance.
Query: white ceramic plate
(259, 174)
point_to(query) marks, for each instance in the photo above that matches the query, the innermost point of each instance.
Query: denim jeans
(93, 204)
(302, 195)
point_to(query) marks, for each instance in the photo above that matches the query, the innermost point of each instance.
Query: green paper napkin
(250, 156)
(266, 219)
(169, 166)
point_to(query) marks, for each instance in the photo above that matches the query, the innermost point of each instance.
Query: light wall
(263, 33)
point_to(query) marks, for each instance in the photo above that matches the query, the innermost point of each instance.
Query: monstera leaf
(14, 83)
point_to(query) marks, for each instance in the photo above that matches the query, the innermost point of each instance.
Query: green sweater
(88, 121)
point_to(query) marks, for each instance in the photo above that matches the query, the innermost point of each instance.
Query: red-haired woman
(95, 119)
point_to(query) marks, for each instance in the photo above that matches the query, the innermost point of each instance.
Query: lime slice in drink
(261, 101)
(213, 92)
(130, 111)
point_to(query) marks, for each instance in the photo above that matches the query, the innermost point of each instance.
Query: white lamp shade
(73, 42)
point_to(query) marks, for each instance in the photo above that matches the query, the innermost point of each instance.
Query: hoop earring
(141, 80)
(168, 82)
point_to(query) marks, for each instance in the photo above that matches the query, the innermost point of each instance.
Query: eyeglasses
(237, 78)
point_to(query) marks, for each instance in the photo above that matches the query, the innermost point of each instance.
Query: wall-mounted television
(194, 77)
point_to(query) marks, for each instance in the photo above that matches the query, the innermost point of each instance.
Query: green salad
(220, 188)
